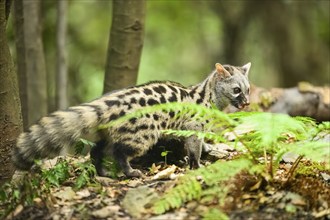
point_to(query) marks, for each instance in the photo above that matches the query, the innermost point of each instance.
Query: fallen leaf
(165, 174)
(66, 194)
(106, 211)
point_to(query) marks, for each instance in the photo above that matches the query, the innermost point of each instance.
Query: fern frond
(214, 213)
(316, 151)
(189, 111)
(269, 128)
(189, 187)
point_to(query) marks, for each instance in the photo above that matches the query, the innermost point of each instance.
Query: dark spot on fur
(193, 92)
(163, 124)
(133, 120)
(162, 99)
(113, 117)
(152, 126)
(147, 115)
(112, 103)
(159, 89)
(171, 114)
(125, 130)
(142, 102)
(147, 91)
(121, 113)
(133, 91)
(142, 127)
(202, 94)
(152, 102)
(146, 137)
(133, 100)
(156, 117)
(183, 94)
(173, 88)
(173, 98)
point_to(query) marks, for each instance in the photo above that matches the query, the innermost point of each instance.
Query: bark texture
(10, 109)
(61, 56)
(125, 44)
(31, 65)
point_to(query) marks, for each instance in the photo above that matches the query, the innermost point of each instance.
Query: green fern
(192, 185)
(260, 134)
(187, 111)
(213, 214)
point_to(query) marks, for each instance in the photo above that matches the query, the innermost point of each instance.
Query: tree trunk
(233, 25)
(61, 56)
(31, 65)
(10, 109)
(125, 44)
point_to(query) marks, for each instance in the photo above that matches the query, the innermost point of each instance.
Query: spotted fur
(227, 85)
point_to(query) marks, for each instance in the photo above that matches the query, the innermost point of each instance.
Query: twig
(293, 168)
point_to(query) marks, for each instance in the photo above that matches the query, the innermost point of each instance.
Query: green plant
(164, 154)
(256, 135)
(214, 213)
(85, 173)
(57, 174)
(199, 184)
(39, 184)
(82, 144)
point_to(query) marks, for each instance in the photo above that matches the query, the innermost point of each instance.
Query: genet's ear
(221, 71)
(246, 68)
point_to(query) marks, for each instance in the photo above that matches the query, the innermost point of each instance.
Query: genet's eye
(237, 90)
(248, 91)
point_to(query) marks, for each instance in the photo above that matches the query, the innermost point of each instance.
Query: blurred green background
(286, 41)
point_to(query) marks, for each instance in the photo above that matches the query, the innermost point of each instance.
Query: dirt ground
(305, 195)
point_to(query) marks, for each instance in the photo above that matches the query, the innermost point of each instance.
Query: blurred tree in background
(286, 41)
(125, 44)
(31, 66)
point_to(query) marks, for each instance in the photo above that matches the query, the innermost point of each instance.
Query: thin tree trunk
(10, 109)
(125, 44)
(61, 56)
(31, 65)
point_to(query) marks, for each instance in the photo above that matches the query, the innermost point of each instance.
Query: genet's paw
(134, 173)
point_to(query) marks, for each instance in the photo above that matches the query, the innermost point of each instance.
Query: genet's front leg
(194, 147)
(122, 153)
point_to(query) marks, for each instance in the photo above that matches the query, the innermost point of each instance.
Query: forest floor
(305, 195)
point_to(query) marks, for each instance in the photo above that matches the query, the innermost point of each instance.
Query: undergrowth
(38, 184)
(262, 139)
(256, 135)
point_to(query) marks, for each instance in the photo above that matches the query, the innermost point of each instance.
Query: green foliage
(82, 144)
(24, 192)
(259, 134)
(86, 173)
(198, 183)
(164, 154)
(189, 111)
(312, 169)
(56, 175)
(213, 214)
(38, 185)
(268, 129)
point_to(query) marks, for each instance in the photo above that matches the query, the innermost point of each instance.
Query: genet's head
(232, 86)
